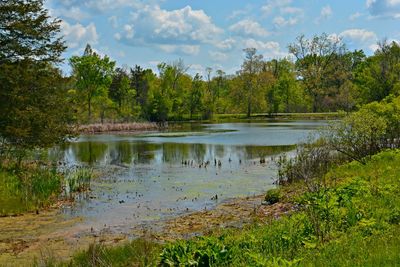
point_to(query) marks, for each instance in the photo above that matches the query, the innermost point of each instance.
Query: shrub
(272, 196)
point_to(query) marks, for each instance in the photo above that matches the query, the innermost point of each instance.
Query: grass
(32, 186)
(28, 189)
(353, 219)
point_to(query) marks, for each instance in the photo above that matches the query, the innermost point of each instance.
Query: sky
(213, 33)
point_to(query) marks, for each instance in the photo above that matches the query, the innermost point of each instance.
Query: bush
(272, 196)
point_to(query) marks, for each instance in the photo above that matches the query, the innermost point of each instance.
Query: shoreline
(64, 238)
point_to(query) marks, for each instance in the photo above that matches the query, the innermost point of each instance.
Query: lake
(153, 176)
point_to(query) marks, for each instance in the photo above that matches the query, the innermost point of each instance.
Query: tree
(313, 60)
(378, 76)
(27, 32)
(251, 67)
(195, 94)
(33, 108)
(93, 75)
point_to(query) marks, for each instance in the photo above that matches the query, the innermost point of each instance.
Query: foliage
(272, 196)
(93, 76)
(28, 33)
(373, 128)
(33, 108)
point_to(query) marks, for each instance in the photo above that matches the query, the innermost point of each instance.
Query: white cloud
(129, 31)
(274, 4)
(180, 49)
(289, 15)
(282, 22)
(72, 12)
(78, 35)
(156, 26)
(226, 44)
(99, 5)
(196, 68)
(248, 28)
(384, 8)
(114, 21)
(217, 56)
(326, 13)
(355, 16)
(359, 35)
(269, 49)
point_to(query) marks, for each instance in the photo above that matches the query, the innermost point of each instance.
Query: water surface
(153, 176)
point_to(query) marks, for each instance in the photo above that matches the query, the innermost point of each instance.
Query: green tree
(378, 76)
(33, 108)
(195, 95)
(314, 59)
(250, 83)
(93, 75)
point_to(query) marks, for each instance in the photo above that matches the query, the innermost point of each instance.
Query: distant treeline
(324, 77)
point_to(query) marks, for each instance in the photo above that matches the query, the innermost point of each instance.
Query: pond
(153, 176)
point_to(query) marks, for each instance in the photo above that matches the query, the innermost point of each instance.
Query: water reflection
(130, 153)
(143, 178)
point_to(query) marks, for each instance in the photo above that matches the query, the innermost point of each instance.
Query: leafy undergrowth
(353, 219)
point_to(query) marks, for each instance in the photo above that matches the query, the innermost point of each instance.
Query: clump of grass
(78, 180)
(272, 196)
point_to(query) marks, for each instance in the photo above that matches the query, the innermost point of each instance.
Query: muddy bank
(31, 237)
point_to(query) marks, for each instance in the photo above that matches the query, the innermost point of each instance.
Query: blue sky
(213, 33)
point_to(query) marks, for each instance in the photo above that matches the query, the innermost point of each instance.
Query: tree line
(323, 77)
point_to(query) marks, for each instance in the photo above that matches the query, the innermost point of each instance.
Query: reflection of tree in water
(252, 152)
(145, 152)
(89, 152)
(172, 152)
(122, 152)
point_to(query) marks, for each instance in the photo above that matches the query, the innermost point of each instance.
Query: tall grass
(118, 127)
(30, 188)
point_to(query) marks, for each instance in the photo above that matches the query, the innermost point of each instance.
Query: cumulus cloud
(282, 22)
(226, 45)
(355, 16)
(180, 49)
(77, 35)
(288, 15)
(114, 21)
(269, 49)
(72, 12)
(217, 56)
(384, 8)
(360, 37)
(248, 28)
(326, 13)
(172, 31)
(272, 5)
(100, 5)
